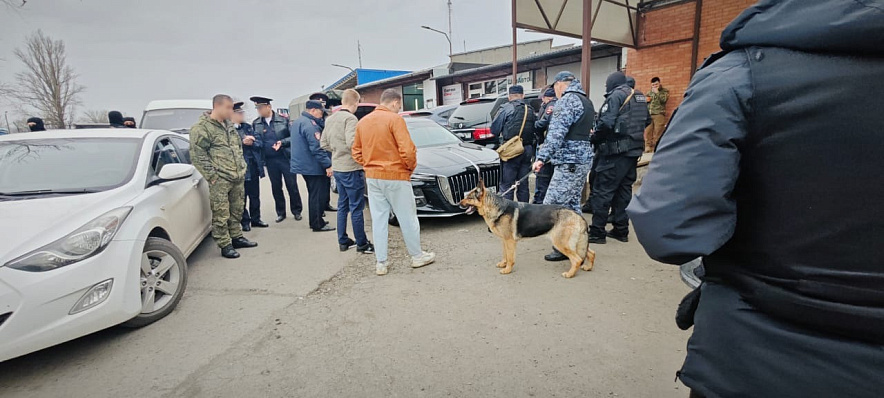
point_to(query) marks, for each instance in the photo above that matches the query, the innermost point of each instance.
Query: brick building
(673, 42)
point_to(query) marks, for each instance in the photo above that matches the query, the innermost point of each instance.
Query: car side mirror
(174, 172)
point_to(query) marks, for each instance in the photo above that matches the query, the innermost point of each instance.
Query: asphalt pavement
(295, 317)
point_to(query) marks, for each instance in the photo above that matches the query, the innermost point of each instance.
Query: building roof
(362, 76)
(393, 79)
(576, 50)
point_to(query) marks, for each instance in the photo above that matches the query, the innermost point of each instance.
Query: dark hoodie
(115, 118)
(38, 124)
(763, 172)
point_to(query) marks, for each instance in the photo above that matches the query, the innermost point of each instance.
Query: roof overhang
(613, 21)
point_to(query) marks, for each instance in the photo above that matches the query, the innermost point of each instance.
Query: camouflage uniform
(216, 151)
(572, 158)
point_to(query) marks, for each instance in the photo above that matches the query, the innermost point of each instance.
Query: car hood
(448, 160)
(31, 223)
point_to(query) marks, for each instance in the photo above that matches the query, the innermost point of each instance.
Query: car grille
(464, 182)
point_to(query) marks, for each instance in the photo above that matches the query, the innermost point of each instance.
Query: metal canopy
(613, 21)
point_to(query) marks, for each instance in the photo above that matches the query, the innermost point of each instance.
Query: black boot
(242, 242)
(555, 256)
(623, 237)
(229, 252)
(598, 240)
(246, 227)
(282, 217)
(259, 224)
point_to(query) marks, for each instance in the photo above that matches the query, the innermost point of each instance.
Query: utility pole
(359, 50)
(6, 115)
(449, 19)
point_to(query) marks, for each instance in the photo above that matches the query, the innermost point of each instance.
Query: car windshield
(171, 119)
(471, 114)
(427, 133)
(66, 166)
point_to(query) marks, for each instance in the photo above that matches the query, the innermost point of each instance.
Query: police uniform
(541, 183)
(254, 157)
(619, 140)
(277, 161)
(312, 162)
(567, 145)
(515, 118)
(216, 152)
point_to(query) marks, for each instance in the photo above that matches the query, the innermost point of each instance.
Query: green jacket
(216, 150)
(657, 101)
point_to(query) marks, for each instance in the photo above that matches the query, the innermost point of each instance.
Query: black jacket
(253, 154)
(756, 175)
(277, 131)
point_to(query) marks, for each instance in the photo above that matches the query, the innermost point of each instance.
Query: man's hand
(328, 172)
(277, 145)
(248, 140)
(537, 166)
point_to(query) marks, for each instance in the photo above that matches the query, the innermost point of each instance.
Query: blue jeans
(396, 196)
(351, 199)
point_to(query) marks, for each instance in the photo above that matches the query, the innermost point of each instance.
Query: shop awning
(613, 21)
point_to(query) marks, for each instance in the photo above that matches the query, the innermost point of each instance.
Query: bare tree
(48, 84)
(94, 116)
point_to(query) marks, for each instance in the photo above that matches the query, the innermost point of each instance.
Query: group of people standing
(376, 153)
(114, 118)
(571, 146)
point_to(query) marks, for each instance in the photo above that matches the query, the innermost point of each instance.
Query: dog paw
(506, 270)
(567, 275)
(501, 264)
(587, 267)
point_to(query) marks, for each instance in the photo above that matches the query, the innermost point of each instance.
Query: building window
(413, 97)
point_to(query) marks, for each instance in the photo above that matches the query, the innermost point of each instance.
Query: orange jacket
(383, 146)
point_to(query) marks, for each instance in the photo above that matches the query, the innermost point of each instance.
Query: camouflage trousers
(227, 199)
(566, 186)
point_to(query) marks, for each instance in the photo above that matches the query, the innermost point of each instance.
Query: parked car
(445, 171)
(173, 115)
(439, 114)
(471, 121)
(4, 131)
(101, 223)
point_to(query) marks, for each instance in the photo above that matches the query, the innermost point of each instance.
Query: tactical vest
(808, 246)
(628, 137)
(514, 123)
(579, 131)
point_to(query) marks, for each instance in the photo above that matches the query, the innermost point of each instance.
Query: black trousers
(279, 170)
(611, 192)
(512, 170)
(317, 199)
(541, 184)
(252, 210)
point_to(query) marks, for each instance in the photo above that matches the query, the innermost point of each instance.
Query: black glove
(684, 315)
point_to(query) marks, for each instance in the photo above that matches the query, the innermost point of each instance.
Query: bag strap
(629, 98)
(524, 118)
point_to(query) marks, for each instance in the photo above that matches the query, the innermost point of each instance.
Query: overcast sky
(128, 52)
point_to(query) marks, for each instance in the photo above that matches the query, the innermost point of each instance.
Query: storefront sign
(452, 94)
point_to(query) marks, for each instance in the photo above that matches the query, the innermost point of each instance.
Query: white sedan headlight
(79, 245)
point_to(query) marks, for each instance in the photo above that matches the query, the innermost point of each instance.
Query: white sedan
(96, 226)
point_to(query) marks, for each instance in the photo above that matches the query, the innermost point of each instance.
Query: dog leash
(519, 181)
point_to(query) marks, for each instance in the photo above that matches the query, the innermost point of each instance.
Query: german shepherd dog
(512, 221)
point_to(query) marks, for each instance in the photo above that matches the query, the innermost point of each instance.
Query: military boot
(229, 252)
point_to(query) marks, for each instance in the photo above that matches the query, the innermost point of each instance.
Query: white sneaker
(426, 258)
(381, 269)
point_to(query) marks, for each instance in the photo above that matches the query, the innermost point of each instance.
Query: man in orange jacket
(384, 148)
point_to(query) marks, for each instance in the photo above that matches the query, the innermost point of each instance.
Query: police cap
(237, 106)
(260, 100)
(564, 76)
(314, 104)
(319, 97)
(550, 92)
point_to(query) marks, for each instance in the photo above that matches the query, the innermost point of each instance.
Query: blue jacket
(253, 154)
(307, 157)
(556, 149)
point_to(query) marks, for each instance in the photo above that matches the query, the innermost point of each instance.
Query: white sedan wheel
(162, 283)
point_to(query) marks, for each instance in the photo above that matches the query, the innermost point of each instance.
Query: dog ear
(481, 185)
